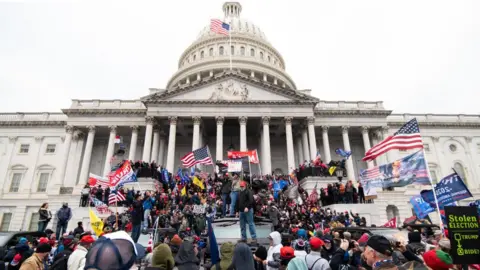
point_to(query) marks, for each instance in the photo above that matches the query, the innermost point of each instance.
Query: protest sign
(464, 234)
(199, 209)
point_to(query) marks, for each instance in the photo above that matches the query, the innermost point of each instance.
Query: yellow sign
(96, 223)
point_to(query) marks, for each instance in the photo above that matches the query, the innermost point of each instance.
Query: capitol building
(255, 104)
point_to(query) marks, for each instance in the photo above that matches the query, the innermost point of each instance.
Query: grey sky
(417, 56)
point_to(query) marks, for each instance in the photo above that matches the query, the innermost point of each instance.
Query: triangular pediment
(230, 89)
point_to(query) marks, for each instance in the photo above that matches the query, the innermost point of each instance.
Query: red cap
(243, 184)
(43, 240)
(316, 243)
(87, 239)
(287, 253)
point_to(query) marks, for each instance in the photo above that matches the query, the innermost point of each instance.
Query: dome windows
(194, 57)
(232, 50)
(242, 51)
(220, 50)
(210, 52)
(268, 58)
(202, 54)
(252, 52)
(261, 55)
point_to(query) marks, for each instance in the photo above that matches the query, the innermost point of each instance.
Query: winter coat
(76, 261)
(275, 249)
(64, 214)
(186, 258)
(226, 254)
(33, 263)
(162, 257)
(137, 213)
(45, 214)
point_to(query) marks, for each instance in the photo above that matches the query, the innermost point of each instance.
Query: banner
(122, 175)
(411, 169)
(96, 180)
(464, 234)
(251, 154)
(392, 223)
(234, 166)
(96, 223)
(449, 190)
(421, 208)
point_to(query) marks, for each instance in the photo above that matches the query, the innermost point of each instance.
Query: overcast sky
(417, 56)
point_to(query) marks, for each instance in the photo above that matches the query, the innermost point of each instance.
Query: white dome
(238, 27)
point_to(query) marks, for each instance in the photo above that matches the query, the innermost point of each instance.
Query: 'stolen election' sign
(464, 234)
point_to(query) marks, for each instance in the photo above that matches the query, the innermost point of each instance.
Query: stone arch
(18, 167)
(45, 167)
(454, 141)
(461, 170)
(392, 211)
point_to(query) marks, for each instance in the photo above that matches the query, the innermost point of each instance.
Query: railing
(349, 105)
(439, 118)
(26, 116)
(107, 104)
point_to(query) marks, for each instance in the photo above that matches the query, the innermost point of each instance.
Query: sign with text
(464, 234)
(198, 209)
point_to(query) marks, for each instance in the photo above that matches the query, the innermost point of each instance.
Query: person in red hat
(77, 258)
(245, 206)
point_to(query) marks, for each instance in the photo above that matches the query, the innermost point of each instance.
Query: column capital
(150, 120)
(325, 129)
(91, 128)
(112, 128)
(242, 120)
(157, 129)
(378, 134)
(365, 129)
(77, 135)
(40, 138)
(288, 120)
(345, 129)
(435, 138)
(12, 139)
(468, 139)
(196, 120)
(173, 120)
(311, 120)
(69, 129)
(385, 129)
(266, 120)
(134, 128)
(220, 120)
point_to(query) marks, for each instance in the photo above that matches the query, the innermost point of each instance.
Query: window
(458, 167)
(202, 54)
(6, 219)
(43, 182)
(452, 147)
(268, 58)
(220, 50)
(261, 55)
(274, 61)
(24, 148)
(232, 50)
(433, 174)
(242, 51)
(15, 185)
(34, 222)
(426, 146)
(194, 57)
(252, 52)
(50, 148)
(210, 52)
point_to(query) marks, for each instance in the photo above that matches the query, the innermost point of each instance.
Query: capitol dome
(247, 47)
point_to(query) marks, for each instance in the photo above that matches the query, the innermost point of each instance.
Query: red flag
(392, 223)
(252, 155)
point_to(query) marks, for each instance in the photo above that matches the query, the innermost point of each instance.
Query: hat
(43, 240)
(176, 240)
(316, 243)
(67, 241)
(362, 241)
(287, 253)
(380, 244)
(326, 239)
(437, 259)
(22, 240)
(243, 184)
(261, 253)
(16, 260)
(87, 239)
(444, 243)
(43, 248)
(300, 244)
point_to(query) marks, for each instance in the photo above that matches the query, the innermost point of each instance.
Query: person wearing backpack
(63, 216)
(314, 260)
(60, 260)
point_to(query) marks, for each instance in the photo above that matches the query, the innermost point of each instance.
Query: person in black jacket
(79, 229)
(137, 217)
(245, 206)
(226, 188)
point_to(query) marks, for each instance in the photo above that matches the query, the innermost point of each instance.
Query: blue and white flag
(421, 208)
(449, 190)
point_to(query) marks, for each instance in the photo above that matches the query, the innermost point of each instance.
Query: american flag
(407, 137)
(219, 27)
(372, 173)
(95, 181)
(114, 197)
(199, 156)
(101, 207)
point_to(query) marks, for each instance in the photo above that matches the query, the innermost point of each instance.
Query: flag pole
(433, 190)
(230, 38)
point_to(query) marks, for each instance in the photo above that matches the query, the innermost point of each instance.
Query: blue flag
(421, 208)
(449, 190)
(165, 178)
(214, 253)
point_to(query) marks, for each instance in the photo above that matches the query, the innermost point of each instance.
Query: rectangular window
(15, 185)
(24, 148)
(43, 182)
(426, 146)
(433, 174)
(50, 148)
(34, 222)
(6, 219)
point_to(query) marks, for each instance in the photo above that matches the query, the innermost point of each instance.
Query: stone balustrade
(34, 116)
(437, 118)
(107, 104)
(349, 105)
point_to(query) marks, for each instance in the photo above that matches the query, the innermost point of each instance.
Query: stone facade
(46, 157)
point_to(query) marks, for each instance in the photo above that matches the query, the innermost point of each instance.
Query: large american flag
(407, 137)
(115, 196)
(372, 173)
(219, 27)
(199, 156)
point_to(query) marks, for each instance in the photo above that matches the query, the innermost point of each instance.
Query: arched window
(268, 58)
(201, 54)
(461, 171)
(194, 57)
(210, 52)
(220, 50)
(252, 52)
(274, 61)
(242, 51)
(232, 50)
(261, 55)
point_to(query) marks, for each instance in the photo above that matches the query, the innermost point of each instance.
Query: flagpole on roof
(230, 38)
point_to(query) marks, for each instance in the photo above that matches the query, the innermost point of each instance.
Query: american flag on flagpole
(115, 196)
(407, 137)
(101, 207)
(219, 27)
(372, 173)
(198, 156)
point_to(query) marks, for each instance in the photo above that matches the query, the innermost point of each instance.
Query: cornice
(233, 102)
(440, 124)
(71, 112)
(33, 123)
(352, 112)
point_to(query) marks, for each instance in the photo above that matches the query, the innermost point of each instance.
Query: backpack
(60, 264)
(310, 268)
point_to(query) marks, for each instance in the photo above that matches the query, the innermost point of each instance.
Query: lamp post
(339, 173)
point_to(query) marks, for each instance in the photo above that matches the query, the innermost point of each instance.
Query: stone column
(110, 149)
(219, 148)
(243, 133)
(171, 143)
(266, 146)
(312, 138)
(366, 144)
(196, 132)
(390, 154)
(147, 146)
(161, 151)
(87, 155)
(378, 137)
(66, 152)
(346, 145)
(472, 178)
(299, 150)
(326, 145)
(306, 149)
(289, 136)
(133, 143)
(156, 143)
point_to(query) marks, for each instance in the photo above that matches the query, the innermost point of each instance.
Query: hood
(162, 257)
(226, 253)
(21, 247)
(276, 237)
(186, 254)
(302, 234)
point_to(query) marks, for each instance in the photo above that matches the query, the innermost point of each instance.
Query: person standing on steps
(245, 206)
(64, 215)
